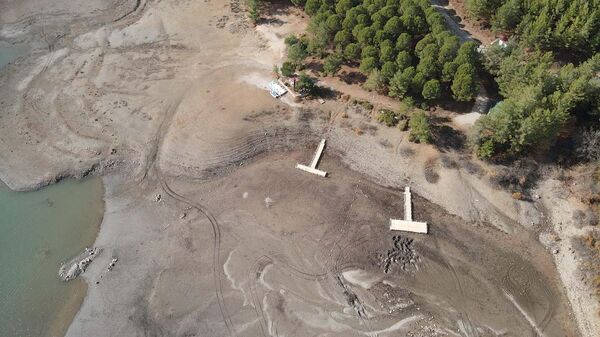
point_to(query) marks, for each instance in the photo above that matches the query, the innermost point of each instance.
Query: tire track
(216, 231)
(469, 329)
(525, 285)
(153, 163)
(138, 4)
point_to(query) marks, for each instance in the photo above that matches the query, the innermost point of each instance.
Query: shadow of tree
(327, 93)
(444, 137)
(314, 66)
(353, 77)
(270, 21)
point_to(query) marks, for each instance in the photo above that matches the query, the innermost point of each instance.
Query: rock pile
(70, 270)
(402, 254)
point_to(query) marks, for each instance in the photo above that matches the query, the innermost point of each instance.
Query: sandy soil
(167, 97)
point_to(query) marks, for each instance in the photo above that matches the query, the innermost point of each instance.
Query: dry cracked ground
(215, 231)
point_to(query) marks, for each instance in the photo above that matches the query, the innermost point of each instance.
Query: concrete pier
(313, 165)
(408, 225)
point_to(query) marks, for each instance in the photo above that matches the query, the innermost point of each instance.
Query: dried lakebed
(270, 250)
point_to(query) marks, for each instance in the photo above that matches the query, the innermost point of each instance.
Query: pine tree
(432, 90)
(352, 52)
(420, 131)
(464, 86)
(467, 53)
(428, 66)
(312, 6)
(403, 43)
(375, 81)
(342, 39)
(388, 70)
(403, 60)
(448, 71)
(386, 53)
(448, 50)
(401, 82)
(332, 64)
(368, 64)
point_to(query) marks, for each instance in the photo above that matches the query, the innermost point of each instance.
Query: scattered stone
(268, 202)
(112, 264)
(158, 197)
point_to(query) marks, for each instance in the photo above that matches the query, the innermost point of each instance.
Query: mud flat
(272, 250)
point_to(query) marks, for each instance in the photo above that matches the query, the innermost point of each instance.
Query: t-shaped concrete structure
(408, 224)
(313, 165)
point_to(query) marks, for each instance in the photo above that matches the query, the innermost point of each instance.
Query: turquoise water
(39, 230)
(8, 53)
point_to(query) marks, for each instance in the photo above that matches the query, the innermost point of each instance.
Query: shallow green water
(8, 53)
(39, 230)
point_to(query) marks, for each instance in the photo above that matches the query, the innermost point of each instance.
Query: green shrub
(387, 117)
(253, 10)
(366, 105)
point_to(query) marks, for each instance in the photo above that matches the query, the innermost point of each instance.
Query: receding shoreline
(71, 215)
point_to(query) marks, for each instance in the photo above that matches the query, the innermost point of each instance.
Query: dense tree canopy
(406, 41)
(405, 50)
(543, 98)
(540, 101)
(571, 25)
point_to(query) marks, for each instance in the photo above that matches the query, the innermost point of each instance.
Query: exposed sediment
(167, 94)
